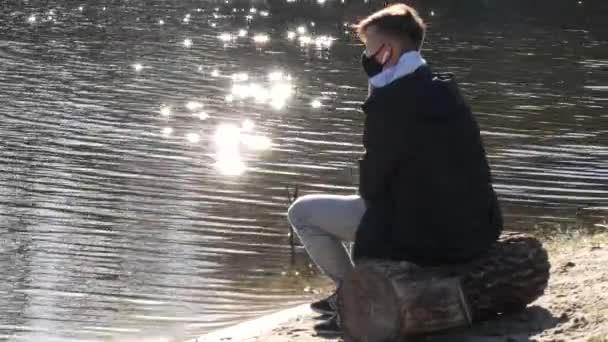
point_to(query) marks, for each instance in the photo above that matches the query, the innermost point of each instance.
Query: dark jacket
(424, 176)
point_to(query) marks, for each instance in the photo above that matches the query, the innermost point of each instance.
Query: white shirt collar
(407, 64)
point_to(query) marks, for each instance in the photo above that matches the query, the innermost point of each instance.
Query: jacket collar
(407, 64)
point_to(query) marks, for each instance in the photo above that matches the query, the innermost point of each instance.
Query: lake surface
(147, 147)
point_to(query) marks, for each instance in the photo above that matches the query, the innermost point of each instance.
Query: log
(384, 300)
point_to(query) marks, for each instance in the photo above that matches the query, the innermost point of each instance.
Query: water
(147, 147)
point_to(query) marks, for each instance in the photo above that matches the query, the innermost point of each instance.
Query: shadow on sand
(511, 328)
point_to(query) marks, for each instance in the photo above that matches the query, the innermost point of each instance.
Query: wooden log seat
(390, 300)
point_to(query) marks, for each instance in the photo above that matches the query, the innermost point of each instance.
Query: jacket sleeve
(382, 142)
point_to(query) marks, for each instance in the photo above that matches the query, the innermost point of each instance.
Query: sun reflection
(242, 33)
(256, 142)
(229, 138)
(240, 77)
(193, 105)
(215, 73)
(278, 93)
(305, 40)
(259, 93)
(323, 42)
(138, 67)
(242, 91)
(229, 164)
(247, 125)
(167, 131)
(277, 103)
(225, 37)
(31, 19)
(165, 111)
(161, 22)
(187, 42)
(320, 42)
(291, 35)
(301, 29)
(193, 137)
(226, 133)
(203, 116)
(281, 90)
(261, 38)
(275, 76)
(80, 8)
(316, 104)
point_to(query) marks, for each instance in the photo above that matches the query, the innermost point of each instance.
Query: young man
(425, 187)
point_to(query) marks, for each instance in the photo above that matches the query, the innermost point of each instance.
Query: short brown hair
(399, 21)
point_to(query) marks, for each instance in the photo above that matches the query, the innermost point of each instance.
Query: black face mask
(371, 66)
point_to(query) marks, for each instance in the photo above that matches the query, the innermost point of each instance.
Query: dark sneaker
(325, 306)
(330, 327)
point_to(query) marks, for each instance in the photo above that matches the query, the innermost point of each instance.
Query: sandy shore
(574, 308)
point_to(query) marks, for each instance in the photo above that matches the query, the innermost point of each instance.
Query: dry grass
(571, 243)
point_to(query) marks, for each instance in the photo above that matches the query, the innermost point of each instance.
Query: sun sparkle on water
(225, 37)
(240, 77)
(193, 137)
(256, 142)
(275, 76)
(165, 111)
(261, 38)
(247, 125)
(305, 40)
(193, 105)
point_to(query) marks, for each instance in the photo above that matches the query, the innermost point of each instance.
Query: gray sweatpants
(323, 223)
